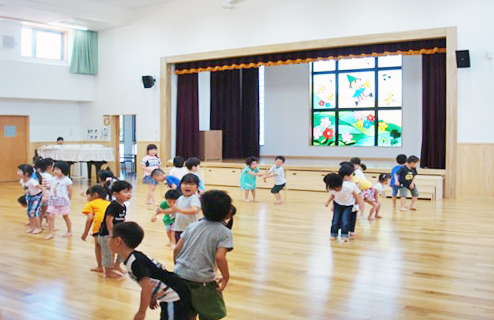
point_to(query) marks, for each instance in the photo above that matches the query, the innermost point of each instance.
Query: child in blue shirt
(401, 159)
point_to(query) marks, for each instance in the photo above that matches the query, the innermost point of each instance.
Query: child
(107, 179)
(115, 213)
(157, 284)
(228, 222)
(95, 210)
(45, 166)
(346, 172)
(345, 197)
(367, 193)
(34, 196)
(171, 197)
(187, 206)
(248, 178)
(22, 201)
(149, 163)
(378, 187)
(203, 245)
(178, 170)
(160, 176)
(363, 167)
(405, 179)
(59, 199)
(401, 159)
(278, 173)
(193, 165)
(358, 168)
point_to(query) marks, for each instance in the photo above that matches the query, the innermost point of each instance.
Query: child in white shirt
(178, 170)
(59, 199)
(34, 196)
(278, 173)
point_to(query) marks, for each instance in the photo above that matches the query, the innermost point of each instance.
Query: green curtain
(85, 53)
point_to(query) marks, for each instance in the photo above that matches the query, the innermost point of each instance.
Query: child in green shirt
(171, 197)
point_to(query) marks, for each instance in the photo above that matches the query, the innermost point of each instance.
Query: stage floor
(435, 263)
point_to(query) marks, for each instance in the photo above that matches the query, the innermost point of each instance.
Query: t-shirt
(364, 183)
(201, 184)
(393, 172)
(117, 211)
(166, 286)
(405, 176)
(30, 186)
(59, 192)
(182, 221)
(98, 208)
(196, 260)
(168, 218)
(345, 197)
(379, 188)
(179, 173)
(171, 180)
(359, 173)
(279, 177)
(248, 181)
(151, 162)
(46, 180)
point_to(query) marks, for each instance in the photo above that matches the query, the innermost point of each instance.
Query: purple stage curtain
(187, 140)
(235, 111)
(412, 46)
(433, 111)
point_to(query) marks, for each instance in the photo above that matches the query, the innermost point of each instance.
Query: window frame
(376, 69)
(34, 42)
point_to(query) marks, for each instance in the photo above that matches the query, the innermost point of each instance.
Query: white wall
(48, 119)
(288, 118)
(130, 52)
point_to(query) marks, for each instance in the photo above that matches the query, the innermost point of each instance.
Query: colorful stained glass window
(357, 102)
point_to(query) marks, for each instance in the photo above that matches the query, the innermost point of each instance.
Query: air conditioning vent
(8, 42)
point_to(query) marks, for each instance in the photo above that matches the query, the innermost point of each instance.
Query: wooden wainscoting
(475, 170)
(141, 153)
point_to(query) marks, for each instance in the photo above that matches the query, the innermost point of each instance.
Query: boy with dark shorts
(278, 173)
(203, 245)
(405, 179)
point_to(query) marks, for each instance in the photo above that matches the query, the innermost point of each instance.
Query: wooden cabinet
(305, 180)
(211, 145)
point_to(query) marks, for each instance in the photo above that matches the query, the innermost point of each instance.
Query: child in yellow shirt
(95, 211)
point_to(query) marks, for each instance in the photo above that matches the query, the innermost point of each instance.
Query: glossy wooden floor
(436, 263)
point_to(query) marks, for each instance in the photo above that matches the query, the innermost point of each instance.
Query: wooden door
(14, 140)
(115, 142)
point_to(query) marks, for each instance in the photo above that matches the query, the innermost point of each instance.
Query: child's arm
(89, 222)
(358, 200)
(69, 189)
(412, 184)
(177, 249)
(222, 264)
(161, 211)
(192, 210)
(109, 224)
(146, 295)
(331, 197)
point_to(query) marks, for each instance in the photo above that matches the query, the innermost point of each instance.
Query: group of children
(349, 190)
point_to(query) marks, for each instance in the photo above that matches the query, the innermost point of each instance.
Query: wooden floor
(436, 263)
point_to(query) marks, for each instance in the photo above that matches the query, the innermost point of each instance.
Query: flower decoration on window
(358, 115)
(317, 133)
(382, 125)
(328, 133)
(347, 137)
(321, 103)
(367, 124)
(325, 122)
(360, 123)
(370, 117)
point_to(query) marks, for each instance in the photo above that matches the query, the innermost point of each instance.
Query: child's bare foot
(352, 235)
(112, 274)
(67, 235)
(379, 217)
(50, 236)
(246, 200)
(98, 269)
(371, 217)
(279, 202)
(403, 209)
(29, 231)
(333, 238)
(254, 200)
(413, 208)
(345, 239)
(119, 269)
(37, 231)
(27, 223)
(168, 244)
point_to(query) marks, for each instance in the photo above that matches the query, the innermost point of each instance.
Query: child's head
(61, 169)
(60, 140)
(346, 172)
(106, 175)
(401, 159)
(171, 196)
(125, 236)
(189, 184)
(216, 205)
(333, 181)
(24, 171)
(279, 160)
(193, 164)
(346, 163)
(363, 167)
(122, 191)
(384, 178)
(96, 192)
(178, 162)
(251, 162)
(356, 162)
(152, 150)
(158, 175)
(412, 161)
(22, 201)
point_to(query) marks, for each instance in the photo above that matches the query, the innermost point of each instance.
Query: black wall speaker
(148, 81)
(463, 59)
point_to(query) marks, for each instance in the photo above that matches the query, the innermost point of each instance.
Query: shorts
(395, 190)
(177, 310)
(206, 300)
(106, 254)
(57, 210)
(368, 195)
(278, 187)
(169, 227)
(34, 204)
(149, 180)
(404, 192)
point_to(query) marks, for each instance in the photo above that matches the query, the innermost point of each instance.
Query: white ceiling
(94, 14)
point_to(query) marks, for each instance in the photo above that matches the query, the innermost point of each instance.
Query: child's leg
(362, 209)
(415, 196)
(373, 209)
(31, 225)
(171, 237)
(51, 226)
(253, 195)
(150, 197)
(107, 258)
(378, 209)
(278, 198)
(36, 226)
(118, 265)
(346, 221)
(353, 223)
(393, 196)
(97, 252)
(403, 198)
(246, 195)
(69, 226)
(336, 223)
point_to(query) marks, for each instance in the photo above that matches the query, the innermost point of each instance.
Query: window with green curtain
(85, 53)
